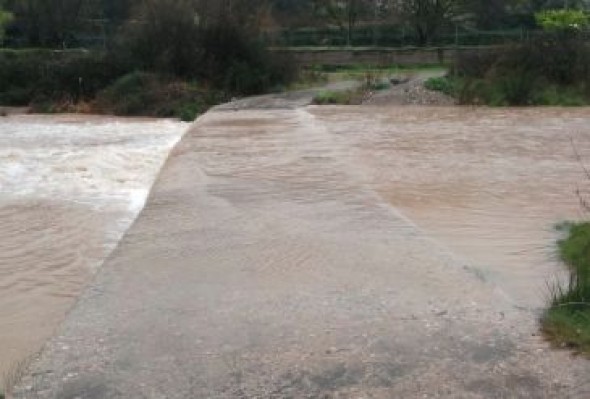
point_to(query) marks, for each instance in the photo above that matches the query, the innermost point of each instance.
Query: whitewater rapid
(70, 186)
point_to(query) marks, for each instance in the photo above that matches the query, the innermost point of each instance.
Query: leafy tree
(562, 20)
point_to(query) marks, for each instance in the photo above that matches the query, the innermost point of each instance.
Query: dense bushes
(43, 75)
(162, 37)
(173, 39)
(148, 94)
(169, 42)
(236, 63)
(552, 69)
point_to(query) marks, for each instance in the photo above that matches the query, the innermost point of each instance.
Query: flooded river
(488, 184)
(70, 186)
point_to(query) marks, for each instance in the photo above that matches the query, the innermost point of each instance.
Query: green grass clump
(347, 97)
(567, 321)
(443, 84)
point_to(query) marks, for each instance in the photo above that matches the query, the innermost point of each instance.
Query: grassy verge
(567, 322)
(369, 84)
(504, 91)
(356, 72)
(443, 84)
(322, 74)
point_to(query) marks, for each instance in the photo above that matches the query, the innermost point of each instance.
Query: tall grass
(567, 321)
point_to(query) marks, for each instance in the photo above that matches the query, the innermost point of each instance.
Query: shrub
(474, 63)
(567, 322)
(163, 37)
(35, 75)
(549, 70)
(148, 94)
(443, 84)
(167, 37)
(236, 63)
(562, 20)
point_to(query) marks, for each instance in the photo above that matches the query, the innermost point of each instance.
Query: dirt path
(411, 91)
(266, 265)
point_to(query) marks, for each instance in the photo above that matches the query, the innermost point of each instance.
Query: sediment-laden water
(489, 184)
(70, 186)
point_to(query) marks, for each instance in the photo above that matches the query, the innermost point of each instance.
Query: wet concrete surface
(283, 253)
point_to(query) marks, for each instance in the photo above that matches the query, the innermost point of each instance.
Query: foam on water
(70, 186)
(80, 160)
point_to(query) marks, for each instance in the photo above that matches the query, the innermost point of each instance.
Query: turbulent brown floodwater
(70, 186)
(489, 184)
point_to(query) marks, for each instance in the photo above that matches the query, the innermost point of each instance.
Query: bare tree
(427, 16)
(343, 13)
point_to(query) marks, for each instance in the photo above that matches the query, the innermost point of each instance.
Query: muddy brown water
(70, 186)
(488, 185)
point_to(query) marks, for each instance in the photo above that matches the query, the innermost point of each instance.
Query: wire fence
(101, 33)
(385, 36)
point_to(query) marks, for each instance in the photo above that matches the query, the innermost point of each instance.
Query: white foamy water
(70, 186)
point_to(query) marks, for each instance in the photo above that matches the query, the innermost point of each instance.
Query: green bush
(554, 95)
(567, 321)
(562, 20)
(129, 95)
(148, 94)
(550, 70)
(30, 75)
(190, 111)
(444, 84)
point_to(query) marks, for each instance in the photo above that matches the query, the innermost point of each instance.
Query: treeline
(75, 23)
(177, 57)
(164, 58)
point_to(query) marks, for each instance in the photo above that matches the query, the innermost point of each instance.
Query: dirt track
(270, 262)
